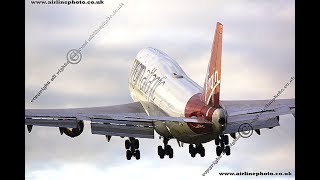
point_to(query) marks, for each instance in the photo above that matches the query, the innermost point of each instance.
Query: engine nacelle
(219, 119)
(73, 132)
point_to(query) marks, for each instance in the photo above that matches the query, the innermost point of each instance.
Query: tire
(226, 139)
(127, 144)
(137, 154)
(167, 149)
(160, 152)
(191, 148)
(227, 150)
(170, 152)
(136, 143)
(202, 152)
(128, 154)
(193, 155)
(217, 141)
(218, 150)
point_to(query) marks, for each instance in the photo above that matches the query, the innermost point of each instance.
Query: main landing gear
(132, 146)
(223, 141)
(167, 150)
(197, 149)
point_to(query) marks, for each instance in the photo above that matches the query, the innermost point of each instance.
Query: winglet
(211, 89)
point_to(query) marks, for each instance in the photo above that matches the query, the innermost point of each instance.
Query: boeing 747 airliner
(167, 101)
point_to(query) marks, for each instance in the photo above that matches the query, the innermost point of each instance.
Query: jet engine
(219, 119)
(73, 132)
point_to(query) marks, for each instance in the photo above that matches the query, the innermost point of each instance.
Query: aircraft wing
(127, 120)
(257, 114)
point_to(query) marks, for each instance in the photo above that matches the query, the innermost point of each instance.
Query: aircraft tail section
(211, 89)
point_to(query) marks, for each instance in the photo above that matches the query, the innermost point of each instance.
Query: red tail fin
(211, 89)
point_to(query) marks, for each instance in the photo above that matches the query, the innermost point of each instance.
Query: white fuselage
(157, 79)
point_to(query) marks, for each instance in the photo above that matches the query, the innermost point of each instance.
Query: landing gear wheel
(128, 154)
(136, 144)
(161, 152)
(137, 154)
(227, 150)
(218, 150)
(217, 141)
(170, 151)
(226, 139)
(127, 144)
(192, 150)
(167, 149)
(202, 152)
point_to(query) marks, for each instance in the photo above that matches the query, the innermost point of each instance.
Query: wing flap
(259, 115)
(124, 130)
(235, 126)
(135, 125)
(52, 122)
(122, 122)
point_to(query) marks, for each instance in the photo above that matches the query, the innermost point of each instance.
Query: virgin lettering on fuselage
(146, 81)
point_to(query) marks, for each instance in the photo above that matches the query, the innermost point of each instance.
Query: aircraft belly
(162, 129)
(183, 133)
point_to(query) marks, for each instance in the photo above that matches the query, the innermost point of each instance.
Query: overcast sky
(257, 61)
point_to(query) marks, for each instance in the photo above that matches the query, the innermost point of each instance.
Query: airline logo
(210, 85)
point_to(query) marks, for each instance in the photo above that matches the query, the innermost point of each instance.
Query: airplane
(167, 101)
